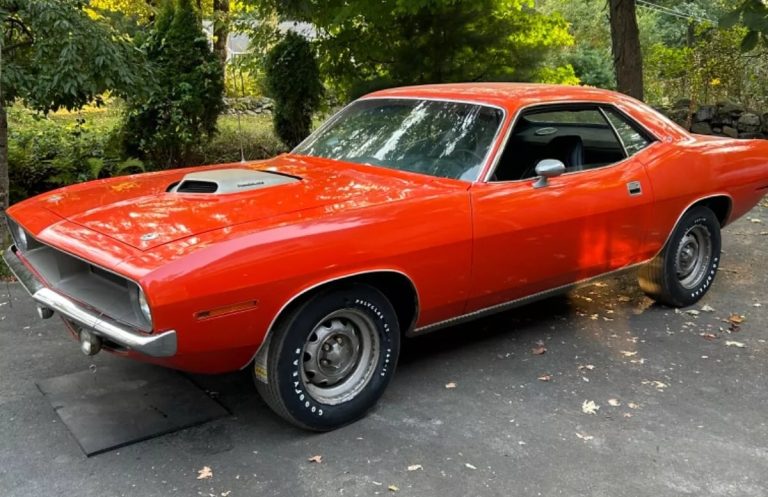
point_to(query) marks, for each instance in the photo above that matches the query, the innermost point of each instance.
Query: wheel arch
(720, 204)
(398, 287)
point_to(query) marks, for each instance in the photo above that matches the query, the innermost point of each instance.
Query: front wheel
(330, 360)
(685, 269)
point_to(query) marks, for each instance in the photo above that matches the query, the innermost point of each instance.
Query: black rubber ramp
(117, 405)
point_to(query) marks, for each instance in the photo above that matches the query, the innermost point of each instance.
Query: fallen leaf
(732, 343)
(450, 385)
(415, 467)
(538, 350)
(624, 298)
(692, 312)
(708, 308)
(627, 415)
(614, 402)
(587, 366)
(656, 383)
(205, 473)
(392, 488)
(316, 459)
(589, 407)
(632, 405)
(627, 353)
(756, 220)
(584, 437)
(709, 336)
(736, 319)
(225, 494)
(545, 377)
(470, 466)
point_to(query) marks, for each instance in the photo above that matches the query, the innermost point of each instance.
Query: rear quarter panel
(686, 171)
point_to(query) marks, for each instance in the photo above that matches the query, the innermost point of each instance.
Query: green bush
(48, 152)
(182, 107)
(293, 81)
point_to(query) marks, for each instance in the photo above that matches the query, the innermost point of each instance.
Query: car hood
(140, 211)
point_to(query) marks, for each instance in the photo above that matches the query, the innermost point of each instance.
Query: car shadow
(517, 330)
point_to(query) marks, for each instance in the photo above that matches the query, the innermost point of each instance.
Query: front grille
(103, 291)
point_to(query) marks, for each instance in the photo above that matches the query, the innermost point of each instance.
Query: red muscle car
(410, 210)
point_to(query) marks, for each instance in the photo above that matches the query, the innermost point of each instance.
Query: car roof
(506, 95)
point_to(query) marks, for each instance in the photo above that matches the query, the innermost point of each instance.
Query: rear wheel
(685, 269)
(330, 360)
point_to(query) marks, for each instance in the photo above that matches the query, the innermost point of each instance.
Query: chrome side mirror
(548, 168)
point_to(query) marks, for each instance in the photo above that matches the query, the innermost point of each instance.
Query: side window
(577, 135)
(632, 138)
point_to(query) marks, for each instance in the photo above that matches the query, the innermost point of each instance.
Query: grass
(5, 273)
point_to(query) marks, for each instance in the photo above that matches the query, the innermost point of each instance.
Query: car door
(586, 222)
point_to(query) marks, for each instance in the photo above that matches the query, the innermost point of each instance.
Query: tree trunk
(4, 183)
(625, 41)
(220, 29)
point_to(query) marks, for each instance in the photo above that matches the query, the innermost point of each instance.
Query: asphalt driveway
(599, 392)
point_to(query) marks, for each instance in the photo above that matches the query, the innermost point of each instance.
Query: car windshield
(438, 138)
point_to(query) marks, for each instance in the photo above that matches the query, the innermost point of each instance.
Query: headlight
(21, 238)
(144, 306)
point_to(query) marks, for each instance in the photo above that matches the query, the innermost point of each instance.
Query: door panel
(582, 224)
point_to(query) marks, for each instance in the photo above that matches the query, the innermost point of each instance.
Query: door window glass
(634, 141)
(579, 136)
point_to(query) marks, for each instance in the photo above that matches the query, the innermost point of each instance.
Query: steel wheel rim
(340, 356)
(693, 256)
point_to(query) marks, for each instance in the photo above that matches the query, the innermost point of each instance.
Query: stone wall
(248, 105)
(721, 119)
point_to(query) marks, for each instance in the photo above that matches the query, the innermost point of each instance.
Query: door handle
(634, 188)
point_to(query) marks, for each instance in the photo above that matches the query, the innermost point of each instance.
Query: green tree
(754, 15)
(293, 80)
(180, 113)
(369, 44)
(57, 53)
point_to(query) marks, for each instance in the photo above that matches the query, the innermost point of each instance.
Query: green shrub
(45, 152)
(181, 110)
(293, 81)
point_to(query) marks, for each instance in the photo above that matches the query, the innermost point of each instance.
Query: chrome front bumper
(159, 345)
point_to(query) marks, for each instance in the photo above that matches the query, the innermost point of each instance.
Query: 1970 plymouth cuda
(410, 210)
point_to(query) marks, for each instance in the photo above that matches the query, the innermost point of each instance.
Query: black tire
(694, 245)
(329, 327)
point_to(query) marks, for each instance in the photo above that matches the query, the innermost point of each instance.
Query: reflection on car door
(582, 224)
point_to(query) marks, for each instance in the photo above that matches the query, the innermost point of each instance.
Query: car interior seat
(568, 149)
